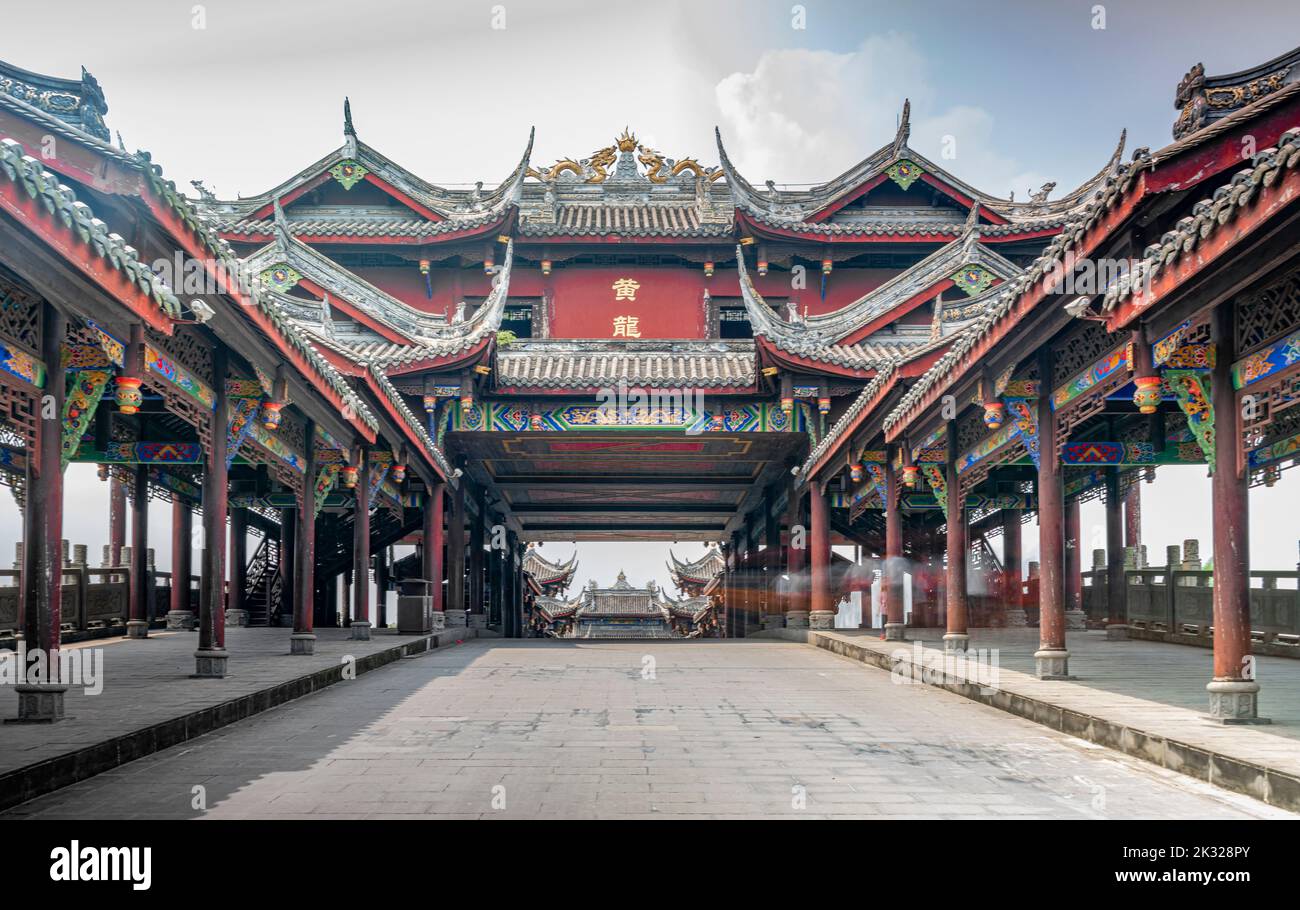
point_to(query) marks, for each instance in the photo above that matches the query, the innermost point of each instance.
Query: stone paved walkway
(499, 728)
(147, 682)
(1152, 687)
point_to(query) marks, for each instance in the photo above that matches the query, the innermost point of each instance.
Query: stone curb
(30, 781)
(1276, 788)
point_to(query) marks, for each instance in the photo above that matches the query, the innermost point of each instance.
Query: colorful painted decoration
(127, 394)
(911, 473)
(1272, 359)
(823, 405)
(23, 365)
(934, 476)
(1103, 369)
(535, 423)
(324, 483)
(718, 422)
(1191, 388)
(995, 414)
(85, 389)
(904, 172)
(179, 376)
(466, 403)
(398, 472)
(787, 405)
(349, 476)
(243, 417)
(973, 279)
(1191, 357)
(113, 349)
(1162, 349)
(1025, 423)
(349, 173)
(1147, 394)
(1277, 451)
(280, 277)
(855, 471)
(271, 414)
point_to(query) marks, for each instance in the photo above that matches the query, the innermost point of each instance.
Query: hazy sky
(244, 94)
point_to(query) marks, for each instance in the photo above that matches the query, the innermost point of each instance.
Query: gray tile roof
(637, 220)
(561, 365)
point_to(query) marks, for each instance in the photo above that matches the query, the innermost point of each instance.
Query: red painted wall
(669, 302)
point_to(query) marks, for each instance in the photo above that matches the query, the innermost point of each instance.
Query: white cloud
(806, 116)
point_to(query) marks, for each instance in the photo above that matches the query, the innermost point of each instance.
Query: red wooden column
(137, 624)
(236, 609)
(891, 577)
(361, 551)
(956, 638)
(181, 616)
(1133, 515)
(210, 659)
(288, 538)
(1012, 553)
(822, 614)
(433, 544)
(1073, 559)
(116, 520)
(455, 607)
(477, 533)
(303, 639)
(796, 560)
(40, 696)
(1051, 659)
(774, 616)
(1234, 691)
(1116, 580)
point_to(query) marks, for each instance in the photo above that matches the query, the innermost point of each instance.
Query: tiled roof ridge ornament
(349, 131)
(280, 226)
(904, 129)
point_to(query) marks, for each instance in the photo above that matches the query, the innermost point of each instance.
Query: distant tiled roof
(360, 227)
(643, 220)
(566, 365)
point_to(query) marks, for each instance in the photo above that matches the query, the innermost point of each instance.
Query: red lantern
(910, 475)
(399, 473)
(271, 414)
(1147, 394)
(855, 471)
(128, 394)
(824, 405)
(995, 414)
(349, 475)
(787, 405)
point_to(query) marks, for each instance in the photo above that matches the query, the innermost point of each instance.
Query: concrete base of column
(210, 664)
(236, 617)
(360, 631)
(895, 631)
(956, 641)
(774, 621)
(1235, 701)
(1052, 664)
(796, 619)
(1075, 620)
(477, 620)
(180, 619)
(1117, 632)
(821, 619)
(456, 619)
(302, 643)
(137, 628)
(438, 620)
(38, 703)
(1016, 618)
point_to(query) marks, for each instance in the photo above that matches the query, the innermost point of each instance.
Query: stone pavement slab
(502, 728)
(1144, 698)
(149, 701)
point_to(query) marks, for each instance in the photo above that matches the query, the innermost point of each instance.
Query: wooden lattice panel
(1080, 350)
(1267, 313)
(188, 348)
(20, 314)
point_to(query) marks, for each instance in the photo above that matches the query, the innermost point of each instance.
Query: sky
(244, 94)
